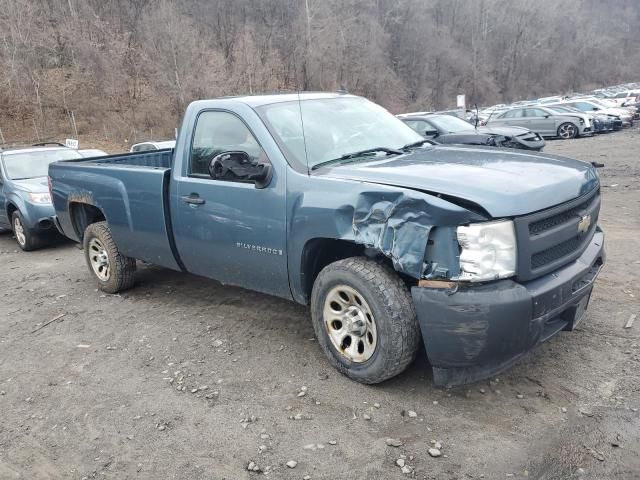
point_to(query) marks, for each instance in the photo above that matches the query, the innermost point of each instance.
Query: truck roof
(259, 100)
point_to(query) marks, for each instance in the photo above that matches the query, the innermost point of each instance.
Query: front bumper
(475, 332)
(38, 217)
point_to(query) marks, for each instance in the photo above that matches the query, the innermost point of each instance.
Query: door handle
(193, 199)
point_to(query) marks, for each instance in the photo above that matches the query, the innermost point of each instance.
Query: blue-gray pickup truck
(331, 201)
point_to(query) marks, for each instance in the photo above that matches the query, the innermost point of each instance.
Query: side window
(513, 114)
(419, 126)
(535, 112)
(218, 132)
(585, 107)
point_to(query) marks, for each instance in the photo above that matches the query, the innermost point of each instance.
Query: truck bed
(132, 192)
(155, 159)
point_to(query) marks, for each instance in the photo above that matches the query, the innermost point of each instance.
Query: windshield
(315, 131)
(449, 123)
(605, 102)
(34, 164)
(599, 103)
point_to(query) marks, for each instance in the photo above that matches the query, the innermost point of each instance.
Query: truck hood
(505, 183)
(36, 185)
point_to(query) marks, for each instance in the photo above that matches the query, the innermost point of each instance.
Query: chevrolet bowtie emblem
(584, 224)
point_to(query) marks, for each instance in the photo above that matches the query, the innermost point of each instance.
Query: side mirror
(547, 116)
(595, 109)
(431, 133)
(238, 166)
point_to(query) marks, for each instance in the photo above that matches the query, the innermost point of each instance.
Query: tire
(393, 319)
(567, 131)
(27, 239)
(114, 271)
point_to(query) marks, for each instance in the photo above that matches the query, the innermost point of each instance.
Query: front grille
(545, 224)
(552, 238)
(554, 253)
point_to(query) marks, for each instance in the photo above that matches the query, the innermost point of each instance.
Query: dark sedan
(449, 129)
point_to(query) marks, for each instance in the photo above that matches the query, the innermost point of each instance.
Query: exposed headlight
(488, 251)
(39, 197)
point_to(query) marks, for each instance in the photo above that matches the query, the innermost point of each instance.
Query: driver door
(224, 229)
(541, 122)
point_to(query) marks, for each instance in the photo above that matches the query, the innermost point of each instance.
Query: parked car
(25, 202)
(610, 103)
(601, 120)
(449, 129)
(546, 100)
(545, 121)
(331, 201)
(626, 97)
(149, 146)
(590, 106)
(601, 123)
(92, 152)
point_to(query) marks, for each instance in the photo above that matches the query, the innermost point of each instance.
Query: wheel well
(83, 215)
(320, 252)
(10, 209)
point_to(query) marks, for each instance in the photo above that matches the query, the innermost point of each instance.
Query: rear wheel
(364, 319)
(113, 270)
(27, 240)
(567, 131)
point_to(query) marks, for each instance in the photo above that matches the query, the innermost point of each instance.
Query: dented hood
(505, 182)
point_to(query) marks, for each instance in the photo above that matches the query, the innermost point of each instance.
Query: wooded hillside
(127, 68)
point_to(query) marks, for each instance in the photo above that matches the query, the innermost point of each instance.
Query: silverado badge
(584, 224)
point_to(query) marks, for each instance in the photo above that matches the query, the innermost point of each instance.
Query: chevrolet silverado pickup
(329, 200)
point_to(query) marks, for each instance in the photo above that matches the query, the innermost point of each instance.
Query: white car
(610, 103)
(591, 106)
(623, 98)
(92, 152)
(546, 100)
(148, 146)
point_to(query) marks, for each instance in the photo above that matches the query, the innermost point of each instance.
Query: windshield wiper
(419, 143)
(349, 156)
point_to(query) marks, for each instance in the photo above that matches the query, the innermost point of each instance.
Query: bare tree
(129, 67)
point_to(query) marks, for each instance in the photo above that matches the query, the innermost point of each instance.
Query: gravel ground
(182, 377)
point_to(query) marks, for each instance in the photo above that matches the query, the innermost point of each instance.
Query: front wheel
(364, 319)
(567, 131)
(27, 240)
(113, 270)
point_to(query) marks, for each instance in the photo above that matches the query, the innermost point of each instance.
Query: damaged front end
(479, 309)
(405, 226)
(526, 141)
(477, 317)
(520, 283)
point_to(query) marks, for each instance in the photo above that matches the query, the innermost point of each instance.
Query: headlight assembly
(39, 197)
(487, 251)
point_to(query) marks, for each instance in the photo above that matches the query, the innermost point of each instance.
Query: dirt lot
(99, 392)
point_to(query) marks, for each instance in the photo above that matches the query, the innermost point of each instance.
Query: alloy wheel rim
(350, 324)
(567, 131)
(18, 231)
(99, 260)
